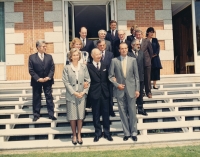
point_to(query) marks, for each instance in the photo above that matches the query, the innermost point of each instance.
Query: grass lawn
(184, 151)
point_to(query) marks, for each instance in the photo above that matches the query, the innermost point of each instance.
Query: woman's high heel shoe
(155, 87)
(80, 142)
(74, 142)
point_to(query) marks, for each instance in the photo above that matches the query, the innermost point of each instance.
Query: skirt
(75, 111)
(155, 74)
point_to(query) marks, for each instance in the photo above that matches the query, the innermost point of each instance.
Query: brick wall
(33, 27)
(144, 18)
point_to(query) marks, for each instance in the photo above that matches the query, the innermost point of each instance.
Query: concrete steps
(165, 116)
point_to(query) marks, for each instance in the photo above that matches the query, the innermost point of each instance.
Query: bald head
(83, 32)
(96, 55)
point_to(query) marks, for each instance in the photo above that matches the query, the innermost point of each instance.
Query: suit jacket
(116, 47)
(69, 80)
(108, 45)
(99, 81)
(107, 58)
(140, 63)
(130, 38)
(88, 47)
(132, 82)
(148, 51)
(41, 69)
(112, 39)
(155, 61)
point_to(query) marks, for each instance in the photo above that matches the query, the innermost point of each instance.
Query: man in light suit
(112, 34)
(41, 69)
(88, 45)
(121, 35)
(99, 95)
(139, 56)
(106, 59)
(125, 71)
(102, 34)
(148, 53)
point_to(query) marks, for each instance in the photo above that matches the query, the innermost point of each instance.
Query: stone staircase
(173, 115)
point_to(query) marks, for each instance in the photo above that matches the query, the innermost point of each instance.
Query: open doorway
(182, 37)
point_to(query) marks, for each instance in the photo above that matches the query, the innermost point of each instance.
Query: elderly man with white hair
(122, 39)
(102, 34)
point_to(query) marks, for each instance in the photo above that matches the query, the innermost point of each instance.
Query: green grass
(184, 151)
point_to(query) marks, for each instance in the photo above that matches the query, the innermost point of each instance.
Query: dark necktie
(83, 43)
(136, 54)
(102, 58)
(113, 33)
(97, 66)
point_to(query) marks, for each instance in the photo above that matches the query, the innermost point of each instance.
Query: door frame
(196, 57)
(73, 3)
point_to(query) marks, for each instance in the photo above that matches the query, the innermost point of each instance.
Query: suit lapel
(95, 69)
(39, 60)
(120, 65)
(127, 65)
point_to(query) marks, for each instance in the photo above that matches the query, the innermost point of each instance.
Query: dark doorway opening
(183, 40)
(92, 17)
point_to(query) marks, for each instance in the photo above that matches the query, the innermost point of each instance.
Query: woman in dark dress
(155, 61)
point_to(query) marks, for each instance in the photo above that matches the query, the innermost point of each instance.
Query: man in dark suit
(99, 95)
(139, 55)
(41, 69)
(106, 59)
(112, 34)
(148, 53)
(88, 45)
(132, 31)
(121, 39)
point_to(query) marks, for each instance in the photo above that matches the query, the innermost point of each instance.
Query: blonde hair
(71, 52)
(75, 40)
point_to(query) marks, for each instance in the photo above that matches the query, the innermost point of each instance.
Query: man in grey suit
(139, 55)
(123, 73)
(148, 53)
(102, 34)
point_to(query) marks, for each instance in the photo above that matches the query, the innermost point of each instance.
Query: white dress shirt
(95, 64)
(84, 41)
(41, 56)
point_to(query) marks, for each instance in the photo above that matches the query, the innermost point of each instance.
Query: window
(2, 33)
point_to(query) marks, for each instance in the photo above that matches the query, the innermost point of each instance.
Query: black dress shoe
(126, 138)
(134, 138)
(52, 117)
(80, 142)
(109, 138)
(96, 138)
(155, 87)
(112, 114)
(35, 119)
(142, 112)
(74, 142)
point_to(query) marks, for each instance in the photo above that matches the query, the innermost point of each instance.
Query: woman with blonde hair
(77, 43)
(74, 75)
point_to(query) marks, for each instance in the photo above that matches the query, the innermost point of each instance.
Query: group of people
(95, 72)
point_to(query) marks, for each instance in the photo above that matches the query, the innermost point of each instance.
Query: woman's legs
(79, 124)
(73, 127)
(154, 83)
